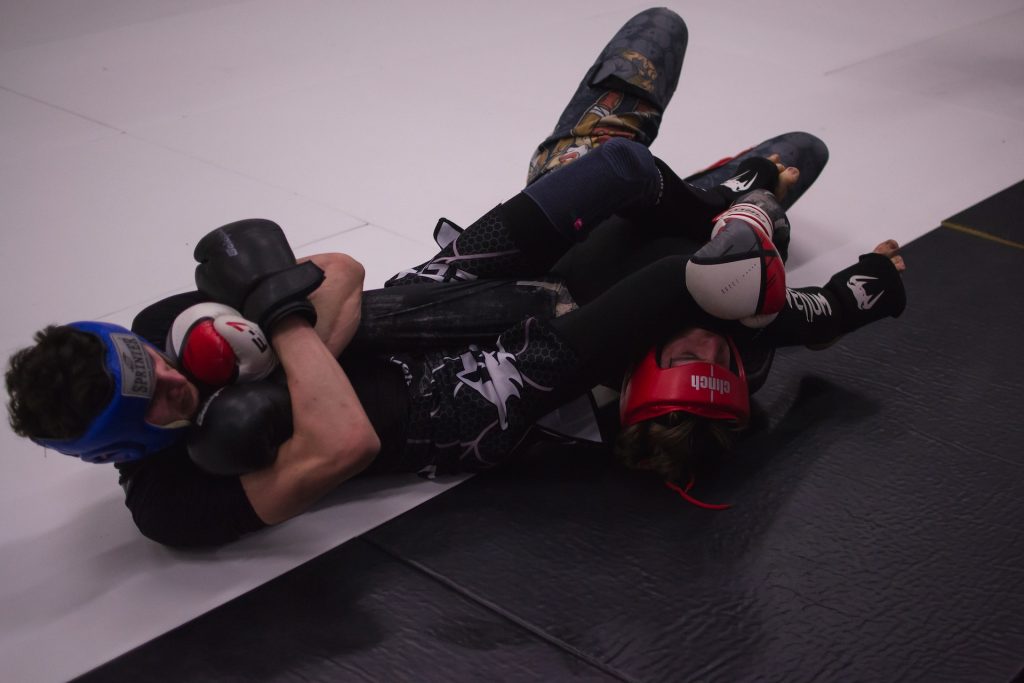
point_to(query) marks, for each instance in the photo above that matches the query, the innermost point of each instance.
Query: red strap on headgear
(685, 495)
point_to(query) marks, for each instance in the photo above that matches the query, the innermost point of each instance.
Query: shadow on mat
(817, 406)
(784, 437)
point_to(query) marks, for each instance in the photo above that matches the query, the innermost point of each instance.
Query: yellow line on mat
(981, 234)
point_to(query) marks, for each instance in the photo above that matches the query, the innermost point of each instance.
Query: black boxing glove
(867, 291)
(240, 428)
(284, 293)
(236, 257)
(249, 265)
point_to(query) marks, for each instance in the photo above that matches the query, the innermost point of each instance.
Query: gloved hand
(213, 345)
(770, 205)
(869, 290)
(739, 275)
(240, 428)
(249, 266)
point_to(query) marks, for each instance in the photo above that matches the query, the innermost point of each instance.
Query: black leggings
(472, 406)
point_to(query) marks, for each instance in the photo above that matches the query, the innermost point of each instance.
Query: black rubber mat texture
(1001, 215)
(877, 528)
(876, 536)
(354, 614)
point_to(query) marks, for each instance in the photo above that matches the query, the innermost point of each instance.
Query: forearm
(337, 300)
(870, 290)
(332, 438)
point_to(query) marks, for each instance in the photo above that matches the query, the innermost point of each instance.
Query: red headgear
(697, 387)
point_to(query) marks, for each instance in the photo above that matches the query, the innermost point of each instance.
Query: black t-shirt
(174, 502)
(171, 500)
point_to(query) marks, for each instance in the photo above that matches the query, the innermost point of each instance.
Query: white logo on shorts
(493, 375)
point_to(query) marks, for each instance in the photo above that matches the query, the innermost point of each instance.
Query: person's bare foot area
(891, 250)
(788, 175)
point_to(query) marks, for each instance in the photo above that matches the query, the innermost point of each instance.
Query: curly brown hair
(59, 385)
(676, 446)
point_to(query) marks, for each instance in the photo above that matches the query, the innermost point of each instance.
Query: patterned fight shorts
(471, 408)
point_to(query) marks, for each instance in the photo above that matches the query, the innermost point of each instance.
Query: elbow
(342, 269)
(372, 444)
(350, 271)
(182, 534)
(345, 456)
(363, 449)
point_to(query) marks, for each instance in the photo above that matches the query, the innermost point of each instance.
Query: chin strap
(685, 495)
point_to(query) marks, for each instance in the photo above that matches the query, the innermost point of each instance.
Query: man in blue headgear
(121, 431)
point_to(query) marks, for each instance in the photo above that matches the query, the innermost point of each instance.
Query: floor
(132, 128)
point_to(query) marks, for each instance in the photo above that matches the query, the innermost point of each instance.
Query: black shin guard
(514, 239)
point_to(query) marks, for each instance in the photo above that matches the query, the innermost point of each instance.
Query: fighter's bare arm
(337, 300)
(333, 439)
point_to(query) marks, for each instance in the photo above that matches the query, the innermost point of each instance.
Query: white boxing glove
(212, 344)
(739, 275)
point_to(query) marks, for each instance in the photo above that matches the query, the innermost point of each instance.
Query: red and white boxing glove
(214, 345)
(749, 213)
(739, 275)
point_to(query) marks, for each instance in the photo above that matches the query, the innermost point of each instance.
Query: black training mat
(999, 216)
(353, 614)
(876, 535)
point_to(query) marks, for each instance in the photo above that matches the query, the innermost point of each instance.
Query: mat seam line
(981, 233)
(505, 614)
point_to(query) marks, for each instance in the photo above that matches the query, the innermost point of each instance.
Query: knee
(629, 160)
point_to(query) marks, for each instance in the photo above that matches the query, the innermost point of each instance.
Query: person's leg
(477, 405)
(624, 93)
(498, 246)
(472, 407)
(526, 235)
(621, 96)
(613, 252)
(802, 150)
(682, 223)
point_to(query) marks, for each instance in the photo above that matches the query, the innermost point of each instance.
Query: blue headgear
(120, 433)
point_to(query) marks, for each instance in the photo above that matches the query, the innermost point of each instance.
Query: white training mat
(132, 127)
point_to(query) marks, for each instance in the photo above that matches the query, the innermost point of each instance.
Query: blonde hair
(675, 446)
